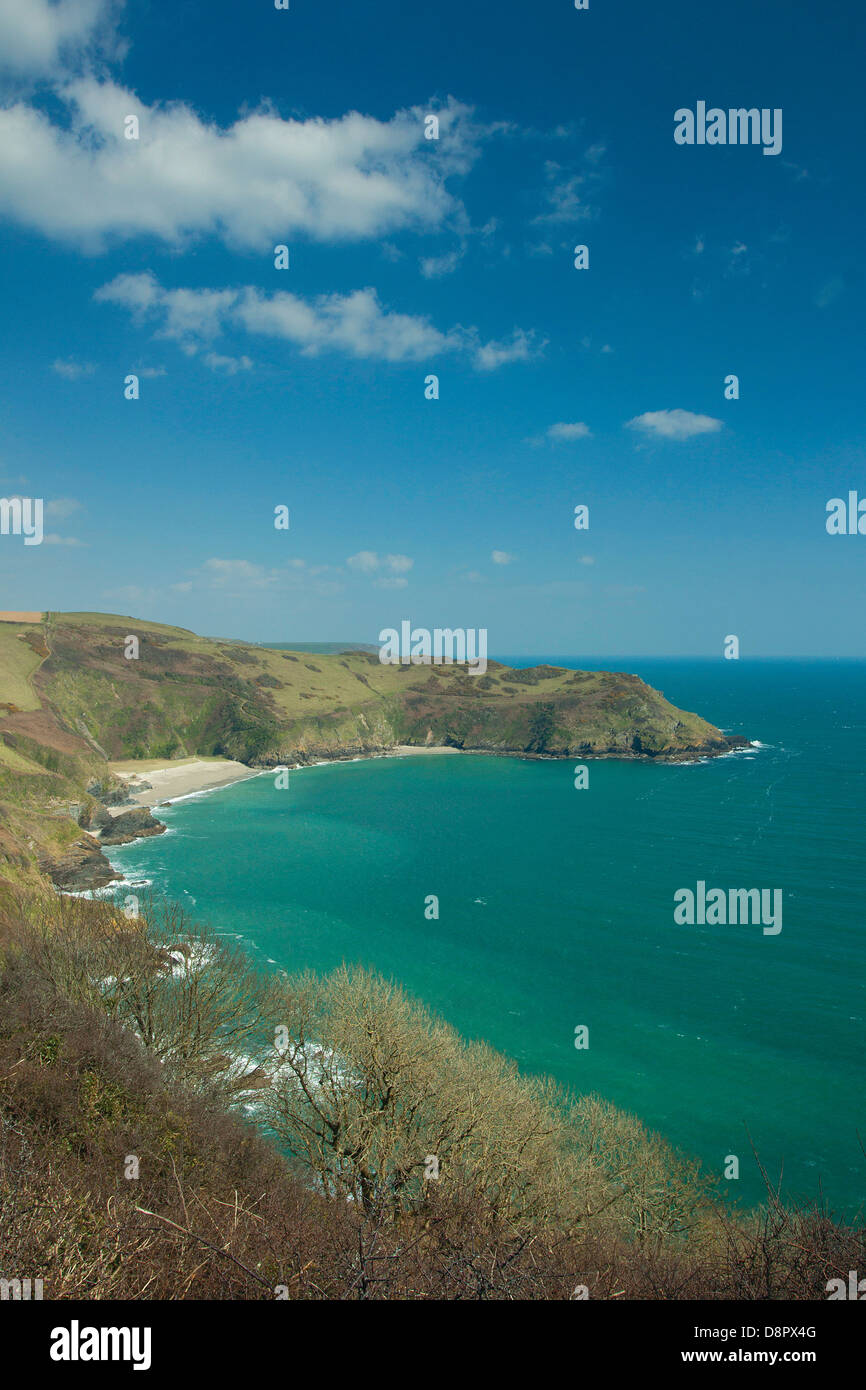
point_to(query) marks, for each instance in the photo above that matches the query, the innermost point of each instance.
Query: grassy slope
(189, 695)
(18, 662)
(43, 768)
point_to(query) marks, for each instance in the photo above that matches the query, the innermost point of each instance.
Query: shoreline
(166, 783)
(171, 781)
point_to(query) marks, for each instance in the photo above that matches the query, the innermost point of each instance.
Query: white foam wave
(199, 956)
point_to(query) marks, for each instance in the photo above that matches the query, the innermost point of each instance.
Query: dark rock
(95, 817)
(110, 794)
(83, 867)
(131, 825)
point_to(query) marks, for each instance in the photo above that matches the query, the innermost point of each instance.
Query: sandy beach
(410, 750)
(170, 780)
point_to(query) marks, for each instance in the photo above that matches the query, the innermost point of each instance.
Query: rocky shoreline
(309, 757)
(85, 867)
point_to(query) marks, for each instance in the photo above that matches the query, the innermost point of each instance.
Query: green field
(18, 661)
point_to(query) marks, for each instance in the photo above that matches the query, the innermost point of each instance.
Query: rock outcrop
(129, 826)
(83, 867)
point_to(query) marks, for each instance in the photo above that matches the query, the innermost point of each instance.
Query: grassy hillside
(188, 695)
(21, 653)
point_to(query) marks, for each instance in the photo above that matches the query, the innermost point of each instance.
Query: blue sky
(305, 387)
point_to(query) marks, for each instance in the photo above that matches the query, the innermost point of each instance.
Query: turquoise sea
(556, 909)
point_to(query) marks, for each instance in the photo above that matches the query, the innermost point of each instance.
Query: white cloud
(566, 201)
(502, 557)
(399, 563)
(565, 194)
(674, 424)
(562, 432)
(188, 316)
(354, 323)
(366, 561)
(739, 261)
(587, 560)
(72, 371)
(391, 582)
(230, 365)
(434, 267)
(234, 572)
(253, 183)
(242, 578)
(522, 348)
(35, 35)
(54, 539)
